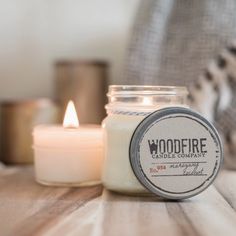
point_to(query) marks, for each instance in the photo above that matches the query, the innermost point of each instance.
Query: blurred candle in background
(68, 155)
(84, 82)
(17, 121)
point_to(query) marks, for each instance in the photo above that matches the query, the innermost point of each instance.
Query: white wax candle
(117, 172)
(68, 156)
(128, 106)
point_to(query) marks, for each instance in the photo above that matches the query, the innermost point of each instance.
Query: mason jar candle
(128, 106)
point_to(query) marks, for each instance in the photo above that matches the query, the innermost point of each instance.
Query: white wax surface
(58, 137)
(117, 172)
(68, 156)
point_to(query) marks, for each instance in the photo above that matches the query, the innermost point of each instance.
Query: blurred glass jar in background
(85, 83)
(17, 119)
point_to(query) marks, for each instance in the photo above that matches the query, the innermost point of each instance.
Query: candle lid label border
(175, 153)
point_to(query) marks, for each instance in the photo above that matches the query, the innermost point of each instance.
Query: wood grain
(205, 214)
(27, 208)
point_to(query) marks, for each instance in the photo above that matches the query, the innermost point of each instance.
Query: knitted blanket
(189, 43)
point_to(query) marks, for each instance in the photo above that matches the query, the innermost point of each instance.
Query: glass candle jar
(127, 107)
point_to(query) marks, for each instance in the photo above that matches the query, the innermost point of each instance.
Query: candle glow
(70, 118)
(147, 101)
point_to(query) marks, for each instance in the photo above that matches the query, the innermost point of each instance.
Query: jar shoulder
(115, 121)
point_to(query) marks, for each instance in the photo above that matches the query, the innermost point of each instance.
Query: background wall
(36, 33)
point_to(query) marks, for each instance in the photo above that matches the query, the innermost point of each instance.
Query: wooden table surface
(27, 208)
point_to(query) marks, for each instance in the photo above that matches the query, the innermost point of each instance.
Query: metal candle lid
(175, 153)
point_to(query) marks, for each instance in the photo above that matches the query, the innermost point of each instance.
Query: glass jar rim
(131, 90)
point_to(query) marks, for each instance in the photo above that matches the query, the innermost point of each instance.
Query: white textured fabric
(173, 40)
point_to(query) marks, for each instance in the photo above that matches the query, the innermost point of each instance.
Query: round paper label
(175, 153)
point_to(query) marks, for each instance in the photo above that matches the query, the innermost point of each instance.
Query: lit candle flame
(70, 118)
